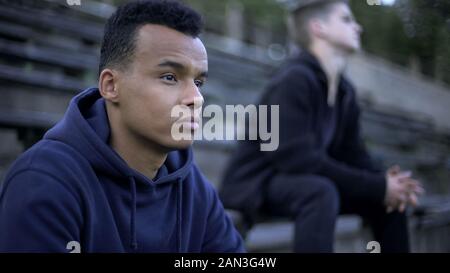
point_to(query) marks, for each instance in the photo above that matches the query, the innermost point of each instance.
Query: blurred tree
(390, 40)
(412, 33)
(261, 18)
(426, 23)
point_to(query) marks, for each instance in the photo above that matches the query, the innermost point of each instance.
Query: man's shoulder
(293, 81)
(49, 171)
(294, 70)
(198, 178)
(48, 157)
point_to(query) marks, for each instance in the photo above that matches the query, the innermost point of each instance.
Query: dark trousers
(315, 203)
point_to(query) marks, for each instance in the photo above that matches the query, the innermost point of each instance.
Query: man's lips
(190, 119)
(191, 122)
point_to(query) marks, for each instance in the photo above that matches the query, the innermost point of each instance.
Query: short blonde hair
(298, 20)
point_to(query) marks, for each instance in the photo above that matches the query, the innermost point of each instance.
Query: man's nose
(193, 97)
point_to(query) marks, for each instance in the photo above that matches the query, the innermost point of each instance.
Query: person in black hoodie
(110, 176)
(321, 168)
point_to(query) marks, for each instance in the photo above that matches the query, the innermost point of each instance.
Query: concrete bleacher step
(429, 230)
(350, 236)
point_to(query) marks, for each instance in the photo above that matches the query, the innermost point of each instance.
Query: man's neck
(333, 62)
(140, 155)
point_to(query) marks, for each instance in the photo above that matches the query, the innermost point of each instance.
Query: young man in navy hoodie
(110, 177)
(321, 168)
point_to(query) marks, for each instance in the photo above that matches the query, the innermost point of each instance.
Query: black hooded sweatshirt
(314, 138)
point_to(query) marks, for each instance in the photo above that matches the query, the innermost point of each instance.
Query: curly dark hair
(119, 40)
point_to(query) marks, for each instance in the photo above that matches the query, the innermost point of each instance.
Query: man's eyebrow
(203, 74)
(175, 65)
(180, 66)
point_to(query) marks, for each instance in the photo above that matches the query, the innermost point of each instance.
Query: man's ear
(317, 28)
(107, 84)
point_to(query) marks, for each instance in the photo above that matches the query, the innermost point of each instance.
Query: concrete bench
(429, 228)
(428, 222)
(277, 236)
(30, 125)
(48, 53)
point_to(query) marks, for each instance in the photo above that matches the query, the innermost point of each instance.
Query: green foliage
(411, 31)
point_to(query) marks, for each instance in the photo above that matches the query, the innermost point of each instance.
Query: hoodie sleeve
(221, 235)
(38, 214)
(299, 151)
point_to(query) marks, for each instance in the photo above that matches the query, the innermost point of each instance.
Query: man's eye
(199, 83)
(348, 19)
(170, 78)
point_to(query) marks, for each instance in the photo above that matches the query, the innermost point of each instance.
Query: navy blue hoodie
(72, 186)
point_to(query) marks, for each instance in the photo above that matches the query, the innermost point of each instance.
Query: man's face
(167, 70)
(341, 30)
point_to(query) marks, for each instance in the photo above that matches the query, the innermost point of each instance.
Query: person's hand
(401, 189)
(396, 192)
(414, 188)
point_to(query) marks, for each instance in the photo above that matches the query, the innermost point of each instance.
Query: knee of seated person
(326, 192)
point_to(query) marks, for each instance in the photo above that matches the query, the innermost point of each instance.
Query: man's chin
(181, 144)
(356, 47)
(348, 48)
(352, 49)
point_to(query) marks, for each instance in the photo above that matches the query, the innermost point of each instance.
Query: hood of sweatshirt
(72, 190)
(85, 128)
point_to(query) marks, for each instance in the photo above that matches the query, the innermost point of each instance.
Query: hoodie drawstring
(179, 202)
(133, 242)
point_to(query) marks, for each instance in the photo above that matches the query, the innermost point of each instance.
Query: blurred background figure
(402, 79)
(321, 168)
